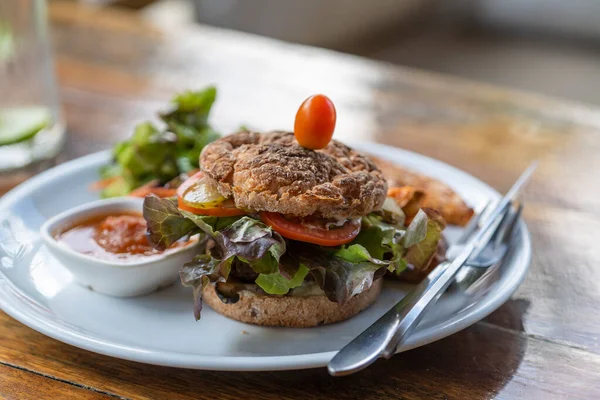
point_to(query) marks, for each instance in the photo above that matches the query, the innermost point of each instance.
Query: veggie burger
(294, 236)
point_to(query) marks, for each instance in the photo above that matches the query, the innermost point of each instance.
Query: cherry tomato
(315, 122)
(224, 209)
(321, 236)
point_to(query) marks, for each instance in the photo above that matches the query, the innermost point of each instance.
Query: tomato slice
(224, 209)
(310, 234)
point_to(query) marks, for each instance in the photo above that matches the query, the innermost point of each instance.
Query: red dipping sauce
(112, 237)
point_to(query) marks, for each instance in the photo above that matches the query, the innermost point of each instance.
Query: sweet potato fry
(152, 188)
(437, 195)
(408, 198)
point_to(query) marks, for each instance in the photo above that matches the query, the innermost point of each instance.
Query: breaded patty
(438, 195)
(272, 172)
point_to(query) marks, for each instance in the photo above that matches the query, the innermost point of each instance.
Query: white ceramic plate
(160, 329)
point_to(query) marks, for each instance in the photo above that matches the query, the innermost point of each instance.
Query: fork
(497, 242)
(487, 261)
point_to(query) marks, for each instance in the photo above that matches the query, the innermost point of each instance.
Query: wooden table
(544, 343)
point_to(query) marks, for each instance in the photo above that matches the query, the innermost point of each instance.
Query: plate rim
(492, 300)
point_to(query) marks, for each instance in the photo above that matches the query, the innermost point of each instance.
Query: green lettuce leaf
(417, 230)
(412, 247)
(245, 239)
(163, 153)
(338, 277)
(150, 153)
(165, 223)
(382, 240)
(252, 242)
(199, 272)
(276, 283)
(191, 109)
(189, 121)
(391, 212)
(420, 254)
(356, 253)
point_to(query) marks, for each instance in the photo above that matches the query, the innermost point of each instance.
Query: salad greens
(276, 283)
(411, 247)
(165, 222)
(340, 274)
(161, 154)
(419, 255)
(279, 265)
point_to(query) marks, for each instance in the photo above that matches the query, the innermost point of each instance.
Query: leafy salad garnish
(281, 265)
(162, 153)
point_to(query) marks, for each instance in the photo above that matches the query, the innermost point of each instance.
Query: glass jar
(31, 128)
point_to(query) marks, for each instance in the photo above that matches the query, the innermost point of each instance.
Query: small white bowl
(113, 278)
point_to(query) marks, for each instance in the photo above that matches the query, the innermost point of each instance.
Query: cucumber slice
(20, 124)
(202, 195)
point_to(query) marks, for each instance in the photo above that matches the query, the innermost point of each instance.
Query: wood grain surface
(16, 383)
(544, 343)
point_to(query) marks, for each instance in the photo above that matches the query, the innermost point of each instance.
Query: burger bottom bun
(290, 311)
